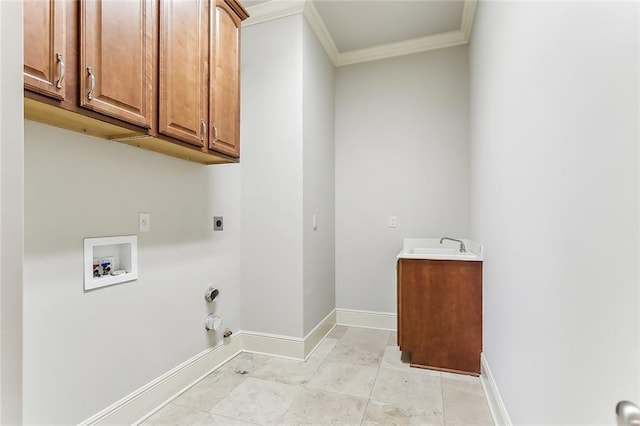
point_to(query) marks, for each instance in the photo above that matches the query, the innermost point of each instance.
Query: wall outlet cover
(218, 223)
(144, 222)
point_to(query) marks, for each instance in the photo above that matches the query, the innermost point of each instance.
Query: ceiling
(353, 31)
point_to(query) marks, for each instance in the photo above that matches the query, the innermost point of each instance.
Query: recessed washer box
(109, 261)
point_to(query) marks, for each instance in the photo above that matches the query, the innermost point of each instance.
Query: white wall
(11, 212)
(84, 351)
(554, 132)
(318, 181)
(287, 176)
(402, 150)
(271, 137)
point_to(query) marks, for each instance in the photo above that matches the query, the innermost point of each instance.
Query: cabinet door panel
(440, 302)
(117, 58)
(44, 47)
(225, 84)
(184, 54)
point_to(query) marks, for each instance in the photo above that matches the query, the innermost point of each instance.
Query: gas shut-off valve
(211, 294)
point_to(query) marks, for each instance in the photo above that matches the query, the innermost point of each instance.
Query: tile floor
(355, 377)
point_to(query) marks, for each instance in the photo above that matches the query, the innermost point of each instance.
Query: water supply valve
(213, 322)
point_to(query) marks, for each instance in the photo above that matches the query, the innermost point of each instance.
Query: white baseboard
(273, 344)
(147, 399)
(319, 332)
(142, 403)
(496, 405)
(289, 347)
(369, 319)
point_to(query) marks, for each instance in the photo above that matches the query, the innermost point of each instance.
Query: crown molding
(468, 13)
(407, 47)
(319, 28)
(275, 9)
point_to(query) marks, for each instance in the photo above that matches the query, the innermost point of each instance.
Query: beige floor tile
(368, 336)
(357, 352)
(463, 378)
(245, 363)
(345, 378)
(226, 421)
(423, 391)
(324, 348)
(337, 332)
(394, 359)
(315, 407)
(287, 370)
(362, 346)
(258, 401)
(467, 423)
(355, 376)
(177, 415)
(380, 413)
(205, 394)
(464, 402)
(393, 339)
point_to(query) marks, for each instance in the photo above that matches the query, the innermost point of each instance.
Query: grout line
(366, 406)
(444, 417)
(376, 378)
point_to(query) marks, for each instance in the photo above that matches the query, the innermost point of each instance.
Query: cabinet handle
(63, 69)
(215, 133)
(203, 130)
(93, 83)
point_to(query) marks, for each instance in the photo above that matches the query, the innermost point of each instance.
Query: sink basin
(430, 248)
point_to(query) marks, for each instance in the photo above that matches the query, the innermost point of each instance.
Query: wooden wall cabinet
(440, 313)
(45, 47)
(162, 75)
(117, 58)
(200, 73)
(184, 82)
(225, 78)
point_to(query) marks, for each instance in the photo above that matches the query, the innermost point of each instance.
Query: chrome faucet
(463, 248)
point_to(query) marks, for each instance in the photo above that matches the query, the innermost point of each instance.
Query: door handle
(92, 87)
(203, 130)
(63, 69)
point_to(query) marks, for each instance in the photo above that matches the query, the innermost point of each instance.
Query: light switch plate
(393, 221)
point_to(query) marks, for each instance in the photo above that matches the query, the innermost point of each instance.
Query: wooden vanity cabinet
(45, 50)
(440, 313)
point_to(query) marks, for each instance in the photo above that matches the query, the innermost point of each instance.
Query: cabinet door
(225, 78)
(441, 309)
(184, 57)
(117, 59)
(44, 47)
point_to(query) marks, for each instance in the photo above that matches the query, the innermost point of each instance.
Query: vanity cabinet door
(440, 313)
(44, 47)
(118, 59)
